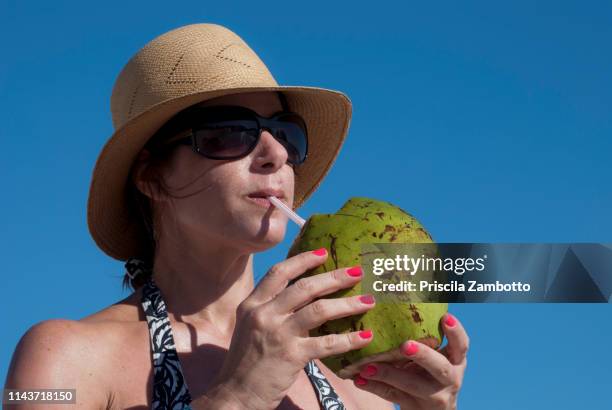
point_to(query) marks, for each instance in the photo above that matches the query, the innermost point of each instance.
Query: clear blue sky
(489, 121)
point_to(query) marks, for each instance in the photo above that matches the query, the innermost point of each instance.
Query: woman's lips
(260, 201)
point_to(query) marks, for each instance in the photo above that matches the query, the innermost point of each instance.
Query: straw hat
(182, 67)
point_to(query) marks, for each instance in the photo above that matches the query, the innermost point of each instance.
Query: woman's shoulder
(57, 354)
(84, 338)
(116, 330)
(72, 339)
(82, 354)
(69, 337)
(127, 310)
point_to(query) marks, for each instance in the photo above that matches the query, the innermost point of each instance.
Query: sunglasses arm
(184, 138)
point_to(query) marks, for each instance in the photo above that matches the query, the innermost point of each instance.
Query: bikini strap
(169, 386)
(328, 398)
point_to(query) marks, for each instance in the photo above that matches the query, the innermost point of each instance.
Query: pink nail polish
(369, 371)
(450, 320)
(410, 349)
(367, 299)
(360, 381)
(354, 271)
(365, 334)
(320, 252)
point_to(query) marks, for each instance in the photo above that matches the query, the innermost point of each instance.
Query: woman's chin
(264, 236)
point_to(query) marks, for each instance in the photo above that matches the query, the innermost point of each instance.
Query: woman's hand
(270, 345)
(431, 380)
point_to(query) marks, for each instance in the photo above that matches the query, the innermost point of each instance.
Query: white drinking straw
(287, 211)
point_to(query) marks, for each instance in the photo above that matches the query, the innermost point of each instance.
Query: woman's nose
(269, 153)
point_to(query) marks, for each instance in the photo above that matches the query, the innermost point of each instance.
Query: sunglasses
(232, 132)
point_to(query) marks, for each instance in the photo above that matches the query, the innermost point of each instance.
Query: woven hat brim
(120, 235)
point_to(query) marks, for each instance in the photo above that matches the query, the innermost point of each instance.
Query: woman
(203, 135)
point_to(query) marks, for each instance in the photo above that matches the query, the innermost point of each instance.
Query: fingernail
(320, 252)
(367, 299)
(369, 371)
(450, 320)
(365, 334)
(354, 271)
(410, 349)
(360, 381)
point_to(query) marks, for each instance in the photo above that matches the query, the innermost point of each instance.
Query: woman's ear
(140, 172)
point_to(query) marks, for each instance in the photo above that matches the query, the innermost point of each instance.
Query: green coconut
(360, 223)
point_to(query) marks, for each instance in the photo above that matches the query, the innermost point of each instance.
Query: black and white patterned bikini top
(169, 386)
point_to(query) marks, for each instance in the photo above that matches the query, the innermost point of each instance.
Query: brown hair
(140, 205)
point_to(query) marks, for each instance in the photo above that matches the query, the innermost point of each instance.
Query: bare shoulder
(127, 310)
(57, 353)
(84, 354)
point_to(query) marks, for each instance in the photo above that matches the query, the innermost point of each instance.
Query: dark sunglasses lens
(291, 132)
(226, 139)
